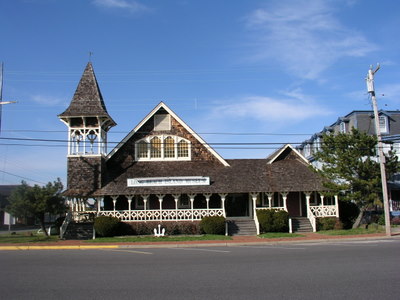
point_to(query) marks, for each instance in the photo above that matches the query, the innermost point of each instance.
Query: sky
(269, 72)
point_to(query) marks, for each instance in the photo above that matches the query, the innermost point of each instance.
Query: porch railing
(324, 210)
(158, 215)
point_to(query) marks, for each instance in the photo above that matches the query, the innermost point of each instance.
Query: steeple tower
(87, 118)
(88, 123)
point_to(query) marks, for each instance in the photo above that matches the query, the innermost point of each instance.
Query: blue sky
(235, 71)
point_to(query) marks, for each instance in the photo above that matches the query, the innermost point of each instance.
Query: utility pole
(1, 94)
(371, 90)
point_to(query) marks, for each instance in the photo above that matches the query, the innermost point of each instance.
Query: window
(162, 147)
(155, 147)
(142, 147)
(342, 127)
(169, 147)
(383, 126)
(183, 149)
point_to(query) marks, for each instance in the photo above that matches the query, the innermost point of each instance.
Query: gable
(287, 153)
(162, 123)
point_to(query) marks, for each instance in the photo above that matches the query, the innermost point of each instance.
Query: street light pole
(371, 90)
(1, 94)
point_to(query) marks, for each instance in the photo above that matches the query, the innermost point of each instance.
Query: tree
(37, 200)
(349, 162)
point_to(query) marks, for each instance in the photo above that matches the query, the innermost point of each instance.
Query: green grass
(354, 231)
(275, 235)
(172, 238)
(26, 238)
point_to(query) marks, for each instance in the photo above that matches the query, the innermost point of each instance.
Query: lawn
(354, 231)
(276, 235)
(26, 238)
(172, 238)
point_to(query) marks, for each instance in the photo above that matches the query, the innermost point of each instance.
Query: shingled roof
(87, 100)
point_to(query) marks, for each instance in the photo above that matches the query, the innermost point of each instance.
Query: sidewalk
(236, 241)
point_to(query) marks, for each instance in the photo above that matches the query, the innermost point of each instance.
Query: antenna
(1, 93)
(90, 56)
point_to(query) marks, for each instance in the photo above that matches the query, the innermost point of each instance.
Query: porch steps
(301, 224)
(79, 231)
(241, 227)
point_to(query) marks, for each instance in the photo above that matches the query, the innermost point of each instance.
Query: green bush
(271, 220)
(106, 226)
(171, 228)
(329, 223)
(213, 225)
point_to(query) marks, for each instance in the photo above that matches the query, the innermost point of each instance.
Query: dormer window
(162, 147)
(383, 124)
(342, 127)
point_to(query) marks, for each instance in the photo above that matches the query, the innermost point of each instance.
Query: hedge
(106, 226)
(271, 220)
(213, 225)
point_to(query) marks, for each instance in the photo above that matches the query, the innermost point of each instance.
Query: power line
(22, 177)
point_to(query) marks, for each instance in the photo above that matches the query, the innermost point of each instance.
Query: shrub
(396, 221)
(329, 223)
(213, 225)
(271, 220)
(348, 213)
(171, 227)
(106, 226)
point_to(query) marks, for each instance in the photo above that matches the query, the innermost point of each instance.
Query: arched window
(183, 149)
(169, 147)
(160, 147)
(155, 147)
(142, 147)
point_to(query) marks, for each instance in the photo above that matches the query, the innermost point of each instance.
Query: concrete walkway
(236, 241)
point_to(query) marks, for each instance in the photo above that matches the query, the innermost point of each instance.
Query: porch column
(83, 204)
(208, 203)
(145, 197)
(322, 199)
(254, 198)
(114, 202)
(223, 204)
(284, 197)
(129, 206)
(176, 199)
(308, 196)
(191, 197)
(270, 195)
(337, 206)
(160, 199)
(98, 202)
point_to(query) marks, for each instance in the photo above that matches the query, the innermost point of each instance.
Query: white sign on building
(168, 181)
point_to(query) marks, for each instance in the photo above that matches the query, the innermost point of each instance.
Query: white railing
(63, 227)
(324, 210)
(276, 208)
(312, 218)
(162, 215)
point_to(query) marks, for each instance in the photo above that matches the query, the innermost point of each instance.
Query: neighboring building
(5, 192)
(164, 171)
(389, 125)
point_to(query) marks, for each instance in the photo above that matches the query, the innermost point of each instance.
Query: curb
(195, 245)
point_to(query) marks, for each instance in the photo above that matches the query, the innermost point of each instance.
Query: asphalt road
(328, 270)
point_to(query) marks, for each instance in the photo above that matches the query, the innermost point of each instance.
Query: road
(367, 269)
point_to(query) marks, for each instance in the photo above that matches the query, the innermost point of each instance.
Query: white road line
(272, 247)
(131, 251)
(200, 249)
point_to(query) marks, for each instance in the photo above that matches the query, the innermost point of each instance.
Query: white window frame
(385, 127)
(162, 138)
(342, 126)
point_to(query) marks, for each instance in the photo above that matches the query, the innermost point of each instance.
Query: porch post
(308, 195)
(191, 197)
(284, 197)
(270, 195)
(208, 203)
(145, 197)
(254, 198)
(83, 204)
(223, 203)
(322, 199)
(176, 199)
(129, 206)
(337, 206)
(160, 199)
(114, 202)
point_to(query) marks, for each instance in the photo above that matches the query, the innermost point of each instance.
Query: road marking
(131, 251)
(200, 249)
(272, 247)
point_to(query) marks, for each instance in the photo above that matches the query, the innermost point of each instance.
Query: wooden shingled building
(164, 171)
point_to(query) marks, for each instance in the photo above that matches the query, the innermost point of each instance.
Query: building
(363, 120)
(164, 171)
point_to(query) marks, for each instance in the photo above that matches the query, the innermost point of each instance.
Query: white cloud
(304, 36)
(47, 100)
(291, 109)
(130, 5)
